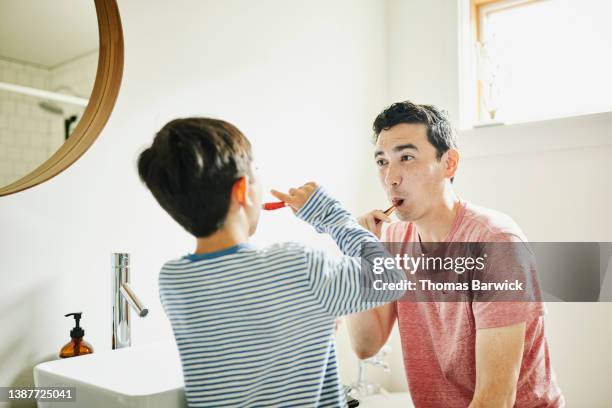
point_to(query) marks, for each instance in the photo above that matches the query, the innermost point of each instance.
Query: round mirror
(60, 69)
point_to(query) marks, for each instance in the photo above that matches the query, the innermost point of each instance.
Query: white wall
(552, 177)
(301, 79)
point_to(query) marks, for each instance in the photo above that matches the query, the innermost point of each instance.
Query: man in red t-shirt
(456, 354)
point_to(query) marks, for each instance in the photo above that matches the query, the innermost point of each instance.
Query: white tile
(23, 109)
(10, 74)
(38, 82)
(15, 123)
(7, 107)
(13, 152)
(6, 138)
(5, 167)
(23, 78)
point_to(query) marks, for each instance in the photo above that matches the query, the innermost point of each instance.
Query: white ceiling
(47, 32)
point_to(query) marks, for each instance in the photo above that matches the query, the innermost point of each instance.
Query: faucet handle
(386, 349)
(384, 365)
(132, 299)
(379, 358)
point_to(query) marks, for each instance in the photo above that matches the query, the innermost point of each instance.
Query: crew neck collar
(217, 254)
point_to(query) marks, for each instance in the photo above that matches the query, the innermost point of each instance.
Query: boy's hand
(297, 197)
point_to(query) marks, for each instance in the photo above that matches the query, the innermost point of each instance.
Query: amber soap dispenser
(77, 346)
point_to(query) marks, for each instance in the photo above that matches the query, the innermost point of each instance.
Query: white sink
(147, 376)
(142, 376)
(388, 400)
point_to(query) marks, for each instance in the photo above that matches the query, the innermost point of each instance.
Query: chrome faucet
(123, 295)
(363, 388)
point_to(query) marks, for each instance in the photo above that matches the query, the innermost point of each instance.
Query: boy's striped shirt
(254, 327)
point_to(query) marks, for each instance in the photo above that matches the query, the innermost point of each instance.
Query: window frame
(479, 11)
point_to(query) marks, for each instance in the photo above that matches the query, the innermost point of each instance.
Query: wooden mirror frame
(99, 108)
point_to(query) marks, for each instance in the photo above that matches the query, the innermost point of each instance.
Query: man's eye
(406, 157)
(380, 162)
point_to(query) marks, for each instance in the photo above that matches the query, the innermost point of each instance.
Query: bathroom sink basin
(148, 376)
(388, 400)
(142, 376)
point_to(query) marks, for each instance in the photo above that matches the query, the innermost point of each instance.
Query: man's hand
(297, 197)
(369, 221)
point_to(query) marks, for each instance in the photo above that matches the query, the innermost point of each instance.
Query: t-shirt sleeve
(501, 314)
(508, 259)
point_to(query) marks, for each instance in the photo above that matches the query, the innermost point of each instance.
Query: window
(540, 59)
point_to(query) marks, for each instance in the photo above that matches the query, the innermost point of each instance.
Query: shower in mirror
(54, 108)
(48, 64)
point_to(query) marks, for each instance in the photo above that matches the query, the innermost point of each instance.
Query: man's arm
(370, 330)
(499, 352)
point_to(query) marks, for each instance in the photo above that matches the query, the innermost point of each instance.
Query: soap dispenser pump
(77, 346)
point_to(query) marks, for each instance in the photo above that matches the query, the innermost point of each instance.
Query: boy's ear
(240, 191)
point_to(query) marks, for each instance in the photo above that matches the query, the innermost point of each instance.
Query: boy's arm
(344, 285)
(312, 204)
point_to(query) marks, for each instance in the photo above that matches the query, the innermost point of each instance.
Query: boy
(253, 326)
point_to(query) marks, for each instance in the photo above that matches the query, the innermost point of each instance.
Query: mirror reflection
(48, 64)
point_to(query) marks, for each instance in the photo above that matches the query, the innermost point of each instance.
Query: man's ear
(240, 191)
(451, 162)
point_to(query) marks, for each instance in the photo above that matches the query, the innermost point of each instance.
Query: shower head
(50, 107)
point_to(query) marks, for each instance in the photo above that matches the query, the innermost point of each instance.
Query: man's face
(409, 170)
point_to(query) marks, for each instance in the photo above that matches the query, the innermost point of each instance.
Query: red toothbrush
(273, 206)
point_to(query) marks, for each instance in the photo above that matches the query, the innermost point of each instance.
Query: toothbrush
(273, 206)
(388, 211)
(281, 204)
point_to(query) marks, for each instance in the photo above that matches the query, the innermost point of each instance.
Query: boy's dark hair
(440, 132)
(191, 167)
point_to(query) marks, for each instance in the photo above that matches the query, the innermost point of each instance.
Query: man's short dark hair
(440, 132)
(191, 168)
